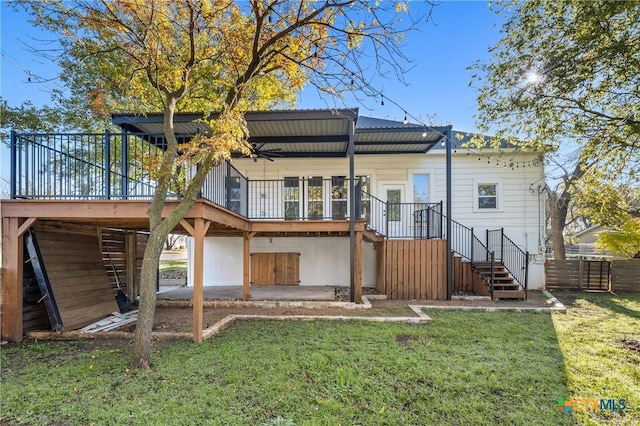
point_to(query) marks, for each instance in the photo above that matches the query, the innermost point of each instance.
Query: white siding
(324, 260)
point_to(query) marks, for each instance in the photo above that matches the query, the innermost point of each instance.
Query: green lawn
(597, 363)
(465, 368)
(173, 265)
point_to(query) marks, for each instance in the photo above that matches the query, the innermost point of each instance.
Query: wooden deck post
(12, 264)
(198, 232)
(198, 274)
(246, 245)
(358, 264)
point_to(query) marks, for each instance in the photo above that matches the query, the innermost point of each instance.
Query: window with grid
(365, 197)
(291, 198)
(338, 197)
(487, 196)
(233, 194)
(315, 203)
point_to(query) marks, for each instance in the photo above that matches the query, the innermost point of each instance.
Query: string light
(497, 157)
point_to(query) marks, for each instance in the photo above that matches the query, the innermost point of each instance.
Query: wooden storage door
(275, 268)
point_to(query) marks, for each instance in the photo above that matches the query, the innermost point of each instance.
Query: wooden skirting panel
(466, 280)
(77, 276)
(415, 269)
(34, 314)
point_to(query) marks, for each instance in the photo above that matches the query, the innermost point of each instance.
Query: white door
(395, 211)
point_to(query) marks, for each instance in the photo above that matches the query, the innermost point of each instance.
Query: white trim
(428, 172)
(499, 194)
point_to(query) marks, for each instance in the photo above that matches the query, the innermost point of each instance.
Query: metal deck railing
(116, 166)
(513, 258)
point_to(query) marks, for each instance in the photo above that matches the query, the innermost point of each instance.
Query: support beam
(352, 209)
(187, 227)
(358, 268)
(12, 264)
(131, 263)
(246, 246)
(26, 225)
(198, 232)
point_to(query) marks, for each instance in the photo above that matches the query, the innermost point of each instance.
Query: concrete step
(509, 294)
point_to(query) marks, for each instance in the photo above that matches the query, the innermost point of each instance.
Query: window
(315, 203)
(338, 197)
(234, 194)
(365, 197)
(420, 188)
(487, 196)
(394, 197)
(291, 198)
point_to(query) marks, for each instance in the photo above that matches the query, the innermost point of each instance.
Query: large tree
(220, 57)
(568, 74)
(60, 115)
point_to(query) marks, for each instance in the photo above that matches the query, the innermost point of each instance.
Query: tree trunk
(147, 304)
(159, 229)
(559, 207)
(557, 220)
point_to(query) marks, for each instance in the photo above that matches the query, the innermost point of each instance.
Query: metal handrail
(511, 256)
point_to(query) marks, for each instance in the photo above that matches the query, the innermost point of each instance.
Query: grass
(480, 368)
(597, 364)
(173, 265)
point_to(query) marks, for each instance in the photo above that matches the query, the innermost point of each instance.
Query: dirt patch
(176, 319)
(631, 344)
(409, 340)
(171, 319)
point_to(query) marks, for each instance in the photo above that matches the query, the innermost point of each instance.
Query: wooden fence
(466, 280)
(625, 275)
(417, 269)
(582, 274)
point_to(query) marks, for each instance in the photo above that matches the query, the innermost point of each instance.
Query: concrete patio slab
(316, 293)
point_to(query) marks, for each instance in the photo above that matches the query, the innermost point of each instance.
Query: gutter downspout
(448, 224)
(352, 216)
(13, 151)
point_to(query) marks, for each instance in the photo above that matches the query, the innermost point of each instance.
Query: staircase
(501, 264)
(503, 284)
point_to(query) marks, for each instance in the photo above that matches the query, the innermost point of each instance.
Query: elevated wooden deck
(204, 219)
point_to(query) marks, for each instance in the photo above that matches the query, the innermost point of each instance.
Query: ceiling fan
(257, 151)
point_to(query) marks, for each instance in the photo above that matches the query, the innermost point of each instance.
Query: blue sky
(459, 33)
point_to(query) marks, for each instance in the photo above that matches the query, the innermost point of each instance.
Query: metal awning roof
(304, 133)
